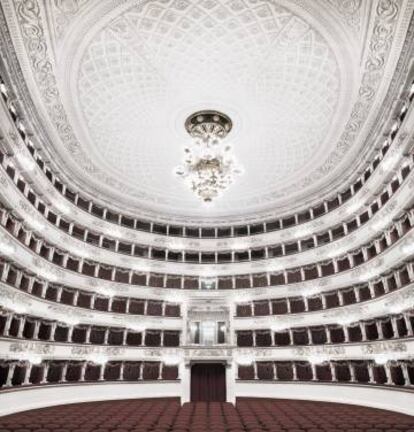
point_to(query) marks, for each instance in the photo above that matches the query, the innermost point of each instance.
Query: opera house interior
(207, 215)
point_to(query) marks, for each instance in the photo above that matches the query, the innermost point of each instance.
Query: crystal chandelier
(209, 166)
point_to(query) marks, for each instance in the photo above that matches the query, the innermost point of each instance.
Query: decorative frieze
(384, 347)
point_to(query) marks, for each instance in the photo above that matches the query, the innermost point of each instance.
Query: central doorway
(208, 382)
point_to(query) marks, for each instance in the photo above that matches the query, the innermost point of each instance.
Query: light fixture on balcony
(97, 358)
(32, 358)
(209, 166)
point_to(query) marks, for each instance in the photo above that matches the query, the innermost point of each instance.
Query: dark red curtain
(208, 382)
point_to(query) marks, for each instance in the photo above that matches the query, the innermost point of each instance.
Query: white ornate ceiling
(299, 80)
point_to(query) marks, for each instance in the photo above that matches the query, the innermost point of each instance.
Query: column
(379, 329)
(30, 285)
(398, 279)
(160, 371)
(295, 371)
(10, 374)
(70, 333)
(27, 372)
(121, 372)
(63, 373)
(45, 286)
(352, 370)
(18, 279)
(341, 298)
(323, 299)
(83, 370)
(272, 337)
(36, 330)
(328, 334)
(288, 308)
(141, 371)
(371, 373)
(385, 284)
(101, 372)
(405, 373)
(52, 332)
(357, 296)
(313, 367)
(21, 327)
(410, 269)
(394, 327)
(275, 377)
(388, 373)
(255, 376)
(88, 335)
(377, 245)
(319, 269)
(346, 333)
(59, 294)
(363, 332)
(75, 298)
(290, 336)
(162, 338)
(408, 325)
(7, 325)
(365, 254)
(308, 330)
(106, 336)
(333, 371)
(124, 337)
(45, 371)
(371, 289)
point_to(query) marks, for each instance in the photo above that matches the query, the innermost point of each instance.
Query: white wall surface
(23, 399)
(376, 397)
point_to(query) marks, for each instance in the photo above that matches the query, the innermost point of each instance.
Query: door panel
(208, 382)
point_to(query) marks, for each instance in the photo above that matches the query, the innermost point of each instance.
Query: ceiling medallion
(209, 166)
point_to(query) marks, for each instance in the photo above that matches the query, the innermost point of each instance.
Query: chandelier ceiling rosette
(209, 166)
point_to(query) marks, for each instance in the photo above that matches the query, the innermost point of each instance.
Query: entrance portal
(208, 382)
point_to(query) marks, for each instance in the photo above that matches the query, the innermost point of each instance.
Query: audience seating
(391, 373)
(35, 328)
(328, 267)
(377, 287)
(39, 287)
(166, 415)
(14, 374)
(391, 326)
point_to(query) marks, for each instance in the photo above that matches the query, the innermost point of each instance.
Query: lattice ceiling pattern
(157, 62)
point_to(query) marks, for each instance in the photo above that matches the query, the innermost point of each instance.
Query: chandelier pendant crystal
(209, 166)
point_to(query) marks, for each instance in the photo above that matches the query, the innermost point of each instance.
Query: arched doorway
(208, 382)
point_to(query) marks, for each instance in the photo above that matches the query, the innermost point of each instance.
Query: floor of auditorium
(166, 415)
